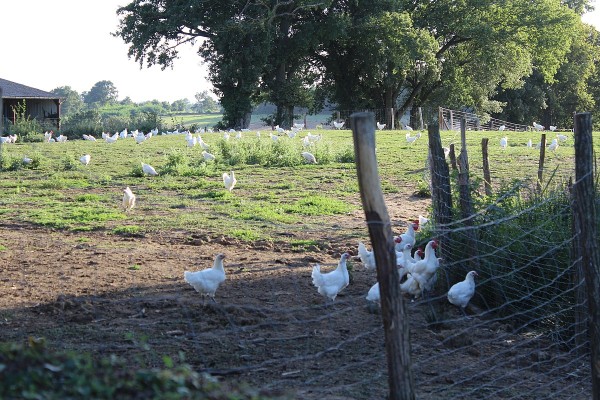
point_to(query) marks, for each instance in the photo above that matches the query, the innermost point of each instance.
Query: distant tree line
(100, 108)
(520, 60)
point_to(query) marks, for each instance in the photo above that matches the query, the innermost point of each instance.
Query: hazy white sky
(47, 44)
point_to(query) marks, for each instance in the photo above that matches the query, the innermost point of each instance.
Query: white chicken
(412, 139)
(501, 128)
(538, 127)
(149, 169)
(309, 157)
(112, 139)
(27, 160)
(338, 125)
(331, 283)
(366, 257)
(229, 180)
(461, 293)
(561, 138)
(207, 156)
(380, 126)
(207, 281)
(530, 144)
(128, 199)
(424, 271)
(423, 221)
(552, 128)
(504, 142)
(407, 237)
(554, 145)
(85, 159)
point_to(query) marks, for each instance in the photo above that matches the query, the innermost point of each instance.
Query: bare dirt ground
(107, 294)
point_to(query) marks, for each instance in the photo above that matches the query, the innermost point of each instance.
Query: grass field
(59, 192)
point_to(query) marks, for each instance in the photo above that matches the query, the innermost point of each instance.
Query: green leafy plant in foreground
(34, 372)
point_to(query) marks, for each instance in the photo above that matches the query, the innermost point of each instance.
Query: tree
(181, 105)
(71, 103)
(102, 92)
(205, 103)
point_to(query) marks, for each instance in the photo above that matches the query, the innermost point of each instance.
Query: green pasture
(277, 197)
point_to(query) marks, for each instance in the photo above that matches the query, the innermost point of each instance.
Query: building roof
(13, 90)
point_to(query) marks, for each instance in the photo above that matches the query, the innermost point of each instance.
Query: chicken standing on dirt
(206, 282)
(461, 293)
(331, 283)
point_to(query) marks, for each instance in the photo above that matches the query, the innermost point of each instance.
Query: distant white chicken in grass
(552, 128)
(292, 134)
(112, 139)
(140, 138)
(561, 138)
(529, 144)
(412, 139)
(85, 159)
(258, 134)
(309, 157)
(229, 180)
(149, 169)
(306, 141)
(461, 293)
(238, 135)
(88, 137)
(407, 237)
(406, 127)
(299, 126)
(313, 138)
(504, 142)
(202, 143)
(128, 199)
(273, 137)
(424, 271)
(61, 139)
(538, 127)
(47, 136)
(27, 160)
(338, 125)
(207, 281)
(554, 145)
(331, 283)
(366, 257)
(191, 141)
(207, 156)
(501, 128)
(225, 136)
(123, 133)
(380, 126)
(446, 152)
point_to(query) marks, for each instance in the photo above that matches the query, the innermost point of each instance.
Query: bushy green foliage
(34, 372)
(26, 128)
(524, 243)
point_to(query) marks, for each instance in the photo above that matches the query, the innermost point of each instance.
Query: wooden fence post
(452, 156)
(487, 178)
(466, 203)
(585, 193)
(441, 196)
(578, 280)
(541, 162)
(393, 309)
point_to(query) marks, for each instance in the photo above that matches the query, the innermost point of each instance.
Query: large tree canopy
(102, 92)
(357, 53)
(72, 101)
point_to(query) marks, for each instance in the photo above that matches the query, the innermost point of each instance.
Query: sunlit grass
(276, 189)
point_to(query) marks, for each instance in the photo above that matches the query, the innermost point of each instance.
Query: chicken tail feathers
(317, 278)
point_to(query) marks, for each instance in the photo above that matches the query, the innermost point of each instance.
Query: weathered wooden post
(452, 156)
(393, 309)
(392, 113)
(487, 178)
(585, 194)
(441, 195)
(466, 203)
(541, 162)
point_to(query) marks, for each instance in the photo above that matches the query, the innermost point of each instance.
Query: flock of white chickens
(420, 271)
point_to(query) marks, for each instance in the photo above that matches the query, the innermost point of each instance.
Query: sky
(48, 44)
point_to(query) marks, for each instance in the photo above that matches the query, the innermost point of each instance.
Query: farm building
(41, 105)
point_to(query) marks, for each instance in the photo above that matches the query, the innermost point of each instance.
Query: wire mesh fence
(524, 337)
